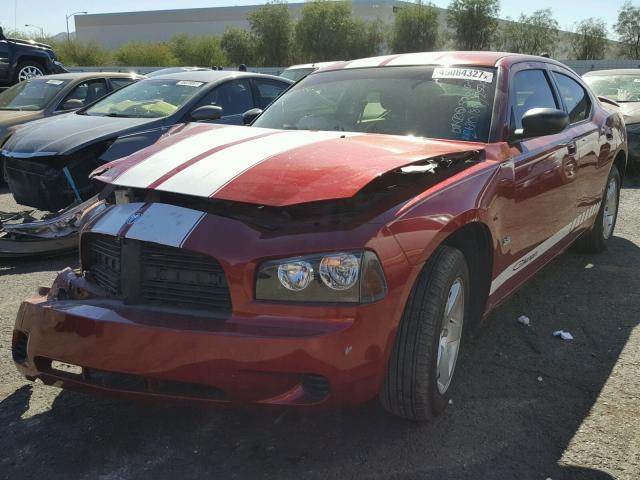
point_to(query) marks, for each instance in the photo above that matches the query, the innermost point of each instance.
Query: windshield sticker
(636, 80)
(470, 108)
(188, 83)
(463, 74)
(54, 82)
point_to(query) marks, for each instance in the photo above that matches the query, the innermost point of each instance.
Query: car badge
(133, 218)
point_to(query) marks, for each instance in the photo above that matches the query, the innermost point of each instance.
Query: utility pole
(68, 17)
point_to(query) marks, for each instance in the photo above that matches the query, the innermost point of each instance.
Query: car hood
(11, 118)
(630, 112)
(270, 167)
(29, 43)
(64, 134)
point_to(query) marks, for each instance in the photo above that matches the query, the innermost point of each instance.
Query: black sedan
(50, 95)
(47, 162)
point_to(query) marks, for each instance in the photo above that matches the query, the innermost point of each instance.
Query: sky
(50, 14)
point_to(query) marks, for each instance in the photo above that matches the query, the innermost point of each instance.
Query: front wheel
(597, 239)
(28, 70)
(429, 338)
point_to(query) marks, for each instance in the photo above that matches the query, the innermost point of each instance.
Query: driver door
(543, 208)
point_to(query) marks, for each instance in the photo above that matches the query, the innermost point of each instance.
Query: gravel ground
(527, 405)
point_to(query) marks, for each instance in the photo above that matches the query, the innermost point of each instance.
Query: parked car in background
(50, 95)
(623, 87)
(297, 72)
(47, 162)
(24, 59)
(167, 71)
(339, 249)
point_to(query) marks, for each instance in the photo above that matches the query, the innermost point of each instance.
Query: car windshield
(434, 102)
(621, 88)
(296, 74)
(31, 95)
(153, 98)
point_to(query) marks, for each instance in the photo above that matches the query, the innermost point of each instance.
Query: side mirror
(539, 122)
(250, 115)
(207, 112)
(72, 104)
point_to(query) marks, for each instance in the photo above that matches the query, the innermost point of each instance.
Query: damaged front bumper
(103, 346)
(22, 235)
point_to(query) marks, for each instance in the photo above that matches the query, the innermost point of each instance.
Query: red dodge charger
(338, 249)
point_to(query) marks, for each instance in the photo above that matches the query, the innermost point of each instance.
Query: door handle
(572, 148)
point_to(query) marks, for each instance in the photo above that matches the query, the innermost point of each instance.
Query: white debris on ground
(539, 379)
(523, 319)
(563, 335)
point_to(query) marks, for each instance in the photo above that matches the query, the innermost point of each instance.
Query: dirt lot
(527, 406)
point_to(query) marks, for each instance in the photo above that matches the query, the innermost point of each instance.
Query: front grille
(145, 273)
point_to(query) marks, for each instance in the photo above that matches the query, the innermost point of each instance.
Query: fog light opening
(315, 387)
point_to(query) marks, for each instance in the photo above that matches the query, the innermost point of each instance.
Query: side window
(575, 97)
(530, 89)
(83, 94)
(234, 97)
(269, 91)
(118, 83)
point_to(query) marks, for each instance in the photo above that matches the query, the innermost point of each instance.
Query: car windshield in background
(155, 98)
(31, 95)
(621, 88)
(433, 102)
(296, 74)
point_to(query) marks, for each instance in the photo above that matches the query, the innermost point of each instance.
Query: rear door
(586, 142)
(540, 219)
(267, 90)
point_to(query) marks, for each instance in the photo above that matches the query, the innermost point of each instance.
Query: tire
(597, 239)
(412, 388)
(29, 69)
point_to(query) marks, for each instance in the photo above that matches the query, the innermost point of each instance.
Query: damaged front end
(24, 234)
(52, 182)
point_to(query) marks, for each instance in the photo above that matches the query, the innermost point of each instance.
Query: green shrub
(201, 51)
(82, 54)
(145, 54)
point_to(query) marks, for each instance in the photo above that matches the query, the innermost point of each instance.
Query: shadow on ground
(504, 422)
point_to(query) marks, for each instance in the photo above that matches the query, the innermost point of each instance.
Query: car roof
(313, 65)
(617, 71)
(453, 58)
(211, 76)
(83, 75)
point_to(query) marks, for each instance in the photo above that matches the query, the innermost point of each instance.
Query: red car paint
(534, 197)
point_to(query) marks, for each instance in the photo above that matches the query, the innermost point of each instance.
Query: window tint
(531, 89)
(234, 97)
(86, 93)
(574, 96)
(269, 91)
(118, 83)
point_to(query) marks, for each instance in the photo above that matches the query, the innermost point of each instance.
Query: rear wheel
(597, 239)
(29, 69)
(429, 338)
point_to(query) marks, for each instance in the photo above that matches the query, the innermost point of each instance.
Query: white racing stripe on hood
(113, 218)
(165, 224)
(159, 223)
(212, 173)
(162, 162)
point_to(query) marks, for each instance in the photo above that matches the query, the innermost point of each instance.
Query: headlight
(345, 277)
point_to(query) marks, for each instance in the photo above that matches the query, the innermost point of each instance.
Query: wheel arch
(620, 161)
(475, 241)
(29, 57)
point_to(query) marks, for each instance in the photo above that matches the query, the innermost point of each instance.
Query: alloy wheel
(29, 72)
(450, 335)
(610, 208)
